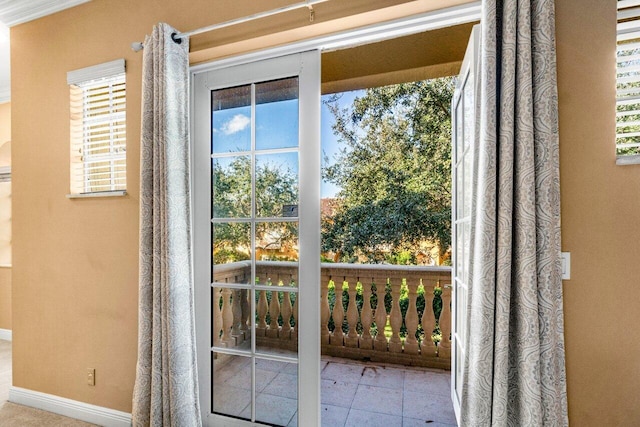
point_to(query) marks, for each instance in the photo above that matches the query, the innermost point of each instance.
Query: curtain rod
(177, 37)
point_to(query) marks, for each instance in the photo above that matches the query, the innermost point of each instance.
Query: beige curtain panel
(166, 388)
(515, 363)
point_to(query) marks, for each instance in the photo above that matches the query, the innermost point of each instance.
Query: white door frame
(442, 18)
(469, 12)
(305, 66)
(463, 146)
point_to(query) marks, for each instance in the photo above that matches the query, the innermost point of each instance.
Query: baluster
(236, 309)
(411, 319)
(227, 318)
(395, 343)
(366, 341)
(217, 317)
(325, 310)
(351, 340)
(337, 338)
(294, 331)
(428, 347)
(285, 332)
(246, 312)
(262, 314)
(444, 349)
(380, 342)
(240, 277)
(274, 313)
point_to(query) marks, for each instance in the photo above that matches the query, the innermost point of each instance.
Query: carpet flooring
(12, 415)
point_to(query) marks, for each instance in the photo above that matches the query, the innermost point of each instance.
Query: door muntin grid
(255, 243)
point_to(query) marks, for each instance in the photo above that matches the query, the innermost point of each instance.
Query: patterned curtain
(166, 388)
(515, 366)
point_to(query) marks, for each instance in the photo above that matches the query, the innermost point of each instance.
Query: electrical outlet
(91, 376)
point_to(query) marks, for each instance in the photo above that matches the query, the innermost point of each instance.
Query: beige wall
(75, 262)
(5, 273)
(600, 227)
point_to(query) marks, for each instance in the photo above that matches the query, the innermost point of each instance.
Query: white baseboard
(5, 334)
(70, 408)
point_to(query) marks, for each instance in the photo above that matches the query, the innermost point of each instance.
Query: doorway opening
(416, 316)
(369, 377)
(385, 295)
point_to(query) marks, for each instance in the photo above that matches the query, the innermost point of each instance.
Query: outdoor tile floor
(354, 393)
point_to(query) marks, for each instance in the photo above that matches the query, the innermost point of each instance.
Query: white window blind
(628, 83)
(98, 128)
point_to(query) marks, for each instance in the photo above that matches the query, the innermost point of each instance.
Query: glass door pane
(464, 111)
(254, 152)
(258, 235)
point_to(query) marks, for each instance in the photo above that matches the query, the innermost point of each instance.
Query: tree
(394, 171)
(275, 186)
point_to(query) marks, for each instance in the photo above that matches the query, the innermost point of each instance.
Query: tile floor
(354, 394)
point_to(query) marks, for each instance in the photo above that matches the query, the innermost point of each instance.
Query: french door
(465, 135)
(256, 215)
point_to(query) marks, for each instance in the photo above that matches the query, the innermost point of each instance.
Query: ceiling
(14, 12)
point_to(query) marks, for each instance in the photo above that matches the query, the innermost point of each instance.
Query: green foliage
(395, 171)
(281, 296)
(401, 258)
(325, 259)
(436, 308)
(275, 186)
(226, 255)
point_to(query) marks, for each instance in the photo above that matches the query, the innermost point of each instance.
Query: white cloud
(237, 123)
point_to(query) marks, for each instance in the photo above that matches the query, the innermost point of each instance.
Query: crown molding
(18, 12)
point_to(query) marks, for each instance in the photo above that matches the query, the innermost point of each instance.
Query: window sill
(628, 160)
(117, 193)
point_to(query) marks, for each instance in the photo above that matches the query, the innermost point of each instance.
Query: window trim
(627, 28)
(81, 81)
(116, 193)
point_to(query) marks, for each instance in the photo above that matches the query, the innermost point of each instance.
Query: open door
(465, 131)
(257, 128)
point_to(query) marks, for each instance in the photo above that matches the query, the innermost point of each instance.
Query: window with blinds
(98, 129)
(628, 83)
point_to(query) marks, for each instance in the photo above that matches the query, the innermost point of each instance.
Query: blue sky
(231, 130)
(276, 127)
(330, 144)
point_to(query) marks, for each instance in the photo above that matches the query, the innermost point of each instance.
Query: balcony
(394, 374)
(406, 290)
